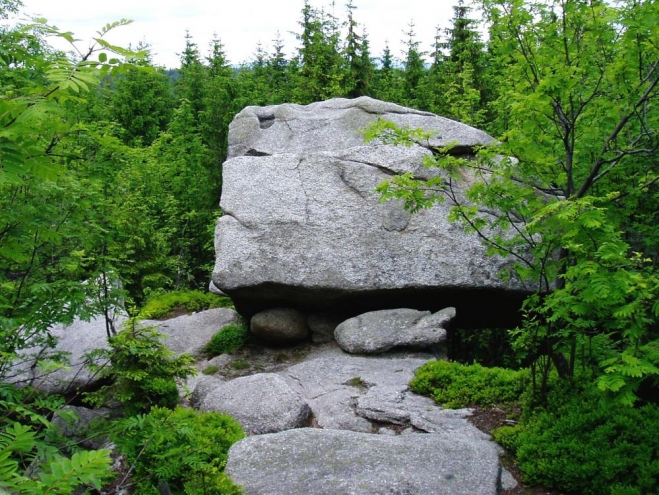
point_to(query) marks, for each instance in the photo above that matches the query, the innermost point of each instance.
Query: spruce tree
(141, 102)
(279, 73)
(388, 79)
(218, 99)
(456, 81)
(358, 59)
(414, 69)
(321, 63)
(191, 84)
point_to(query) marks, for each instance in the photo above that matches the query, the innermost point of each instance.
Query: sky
(240, 24)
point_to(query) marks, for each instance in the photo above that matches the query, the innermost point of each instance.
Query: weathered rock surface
(184, 334)
(358, 393)
(215, 290)
(280, 325)
(74, 342)
(202, 387)
(303, 226)
(330, 462)
(379, 331)
(190, 333)
(332, 125)
(261, 403)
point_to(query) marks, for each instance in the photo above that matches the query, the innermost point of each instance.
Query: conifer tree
(321, 63)
(191, 84)
(358, 59)
(414, 69)
(252, 81)
(388, 79)
(141, 102)
(279, 73)
(455, 81)
(218, 96)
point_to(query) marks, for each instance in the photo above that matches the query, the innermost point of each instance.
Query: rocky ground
(316, 413)
(257, 357)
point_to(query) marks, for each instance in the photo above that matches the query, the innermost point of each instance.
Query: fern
(57, 474)
(83, 468)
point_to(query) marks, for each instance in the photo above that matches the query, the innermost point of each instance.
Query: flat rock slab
(74, 341)
(332, 382)
(190, 333)
(261, 403)
(332, 462)
(367, 393)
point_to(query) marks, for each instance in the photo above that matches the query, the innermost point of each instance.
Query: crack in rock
(381, 168)
(253, 152)
(342, 176)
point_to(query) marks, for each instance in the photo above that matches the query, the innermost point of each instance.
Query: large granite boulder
(261, 403)
(328, 462)
(379, 331)
(303, 226)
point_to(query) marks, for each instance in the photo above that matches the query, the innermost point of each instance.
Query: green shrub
(227, 339)
(142, 371)
(507, 437)
(210, 370)
(188, 301)
(579, 444)
(185, 448)
(457, 385)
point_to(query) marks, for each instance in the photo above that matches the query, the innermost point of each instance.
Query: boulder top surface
(334, 125)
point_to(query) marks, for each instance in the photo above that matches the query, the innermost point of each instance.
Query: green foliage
(321, 63)
(360, 67)
(142, 370)
(580, 445)
(227, 339)
(187, 449)
(454, 85)
(574, 206)
(388, 81)
(189, 301)
(356, 382)
(414, 69)
(48, 273)
(141, 102)
(457, 385)
(389, 133)
(30, 464)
